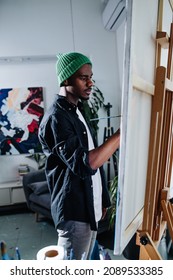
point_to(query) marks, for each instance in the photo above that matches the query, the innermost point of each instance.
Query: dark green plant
(40, 159)
(113, 197)
(92, 106)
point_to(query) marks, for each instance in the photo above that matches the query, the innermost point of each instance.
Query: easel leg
(148, 250)
(168, 215)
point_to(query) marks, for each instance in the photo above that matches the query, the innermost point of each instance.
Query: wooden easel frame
(158, 211)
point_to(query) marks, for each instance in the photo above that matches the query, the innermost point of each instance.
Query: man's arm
(99, 155)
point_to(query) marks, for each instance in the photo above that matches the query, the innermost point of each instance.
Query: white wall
(46, 27)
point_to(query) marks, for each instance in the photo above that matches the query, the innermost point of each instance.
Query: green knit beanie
(68, 63)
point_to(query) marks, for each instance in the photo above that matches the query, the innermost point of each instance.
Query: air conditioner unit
(114, 14)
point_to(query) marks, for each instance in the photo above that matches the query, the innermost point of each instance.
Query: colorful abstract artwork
(21, 110)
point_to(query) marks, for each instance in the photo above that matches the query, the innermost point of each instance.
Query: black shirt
(64, 140)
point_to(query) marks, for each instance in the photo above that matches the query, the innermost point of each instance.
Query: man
(74, 164)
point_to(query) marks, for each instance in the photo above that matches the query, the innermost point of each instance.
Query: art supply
(71, 254)
(52, 252)
(18, 254)
(4, 253)
(83, 257)
(104, 118)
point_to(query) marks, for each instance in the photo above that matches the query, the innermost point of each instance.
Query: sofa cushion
(39, 187)
(43, 200)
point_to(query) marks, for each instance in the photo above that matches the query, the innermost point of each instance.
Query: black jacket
(64, 140)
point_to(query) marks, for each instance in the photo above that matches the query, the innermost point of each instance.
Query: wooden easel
(158, 211)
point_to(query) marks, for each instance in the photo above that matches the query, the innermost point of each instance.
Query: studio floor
(21, 230)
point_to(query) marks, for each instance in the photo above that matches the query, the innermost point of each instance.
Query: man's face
(80, 84)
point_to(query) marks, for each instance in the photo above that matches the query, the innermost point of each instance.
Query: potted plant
(106, 237)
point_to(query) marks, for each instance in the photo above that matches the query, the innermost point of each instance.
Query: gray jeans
(76, 238)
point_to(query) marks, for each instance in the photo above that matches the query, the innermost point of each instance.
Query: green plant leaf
(113, 196)
(92, 106)
(40, 159)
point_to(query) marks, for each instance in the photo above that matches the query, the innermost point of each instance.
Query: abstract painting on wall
(21, 110)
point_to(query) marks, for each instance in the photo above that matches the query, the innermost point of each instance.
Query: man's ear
(66, 83)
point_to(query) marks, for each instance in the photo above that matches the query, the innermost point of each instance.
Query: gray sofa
(38, 197)
(37, 193)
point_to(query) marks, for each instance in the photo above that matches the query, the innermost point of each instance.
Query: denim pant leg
(77, 236)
